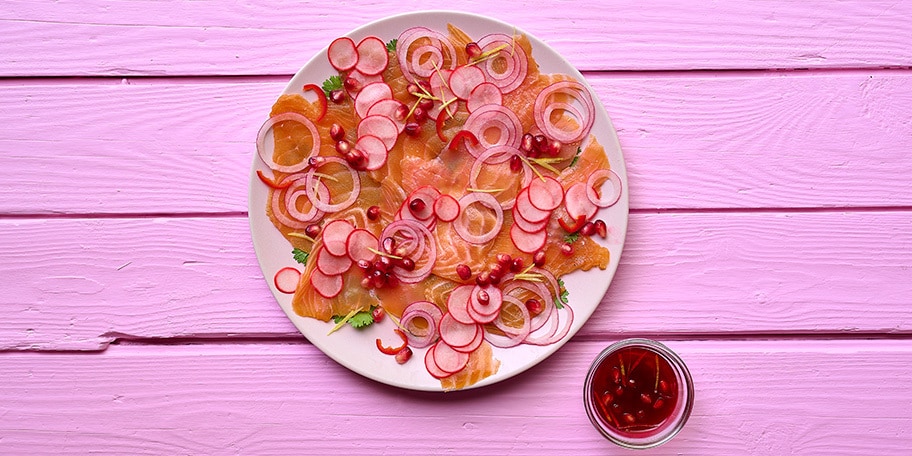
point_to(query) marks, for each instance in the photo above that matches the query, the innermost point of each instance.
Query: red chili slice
(576, 226)
(463, 135)
(271, 183)
(393, 350)
(321, 98)
(441, 118)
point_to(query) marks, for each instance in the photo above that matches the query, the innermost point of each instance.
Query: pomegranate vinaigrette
(638, 393)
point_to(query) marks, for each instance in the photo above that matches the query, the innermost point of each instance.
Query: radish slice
(428, 195)
(485, 94)
(527, 242)
(266, 153)
(465, 79)
(330, 264)
(545, 105)
(527, 210)
(370, 94)
(374, 150)
(421, 335)
(455, 333)
(531, 227)
(458, 304)
(578, 204)
(461, 224)
(546, 194)
(359, 243)
(610, 195)
(335, 237)
(493, 125)
(492, 307)
(446, 208)
(508, 69)
(380, 126)
(512, 336)
(431, 365)
(286, 280)
(318, 200)
(327, 286)
(372, 56)
(390, 110)
(342, 54)
(474, 344)
(447, 359)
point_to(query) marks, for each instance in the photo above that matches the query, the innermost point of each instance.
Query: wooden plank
(701, 141)
(101, 37)
(73, 284)
(755, 397)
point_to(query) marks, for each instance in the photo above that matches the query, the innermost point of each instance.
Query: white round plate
(356, 349)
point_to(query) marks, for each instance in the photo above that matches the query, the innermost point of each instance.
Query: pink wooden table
(770, 242)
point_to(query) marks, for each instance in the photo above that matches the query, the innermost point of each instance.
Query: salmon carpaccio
(430, 152)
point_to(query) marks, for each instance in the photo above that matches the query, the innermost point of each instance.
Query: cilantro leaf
(334, 82)
(391, 46)
(576, 157)
(571, 238)
(358, 320)
(300, 256)
(563, 297)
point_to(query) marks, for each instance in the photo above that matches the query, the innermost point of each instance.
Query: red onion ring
(315, 198)
(461, 224)
(513, 336)
(267, 158)
(537, 288)
(515, 57)
(556, 332)
(427, 311)
(542, 114)
(280, 200)
(426, 247)
(496, 116)
(485, 158)
(437, 41)
(602, 201)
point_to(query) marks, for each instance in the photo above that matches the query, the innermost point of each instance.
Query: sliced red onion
(609, 198)
(410, 59)
(547, 299)
(426, 249)
(512, 336)
(421, 337)
(324, 205)
(266, 153)
(288, 198)
(493, 116)
(495, 156)
(545, 105)
(517, 64)
(558, 329)
(461, 225)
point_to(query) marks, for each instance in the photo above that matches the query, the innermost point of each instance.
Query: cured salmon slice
(481, 365)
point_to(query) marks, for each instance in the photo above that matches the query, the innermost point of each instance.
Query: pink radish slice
(465, 79)
(380, 126)
(446, 208)
(458, 304)
(428, 195)
(286, 280)
(610, 195)
(390, 109)
(342, 54)
(474, 344)
(492, 307)
(371, 94)
(546, 194)
(335, 237)
(332, 265)
(455, 333)
(484, 94)
(578, 204)
(527, 242)
(372, 56)
(327, 286)
(362, 80)
(431, 365)
(359, 243)
(527, 210)
(447, 359)
(531, 227)
(374, 149)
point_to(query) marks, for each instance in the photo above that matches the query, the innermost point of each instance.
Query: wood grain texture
(757, 398)
(103, 37)
(80, 284)
(697, 141)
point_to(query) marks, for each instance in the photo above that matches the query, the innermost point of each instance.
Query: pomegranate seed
(663, 386)
(378, 266)
(497, 269)
(601, 229)
(426, 103)
(527, 143)
(504, 259)
(312, 230)
(646, 398)
(417, 205)
(554, 148)
(658, 403)
(539, 258)
(387, 263)
(404, 355)
(535, 306)
(619, 390)
(473, 50)
(628, 418)
(378, 314)
(364, 264)
(413, 89)
(356, 159)
(388, 244)
(493, 278)
(316, 161)
(407, 263)
(539, 143)
(616, 375)
(343, 147)
(412, 129)
(351, 84)
(336, 132)
(420, 114)
(641, 414)
(517, 265)
(631, 382)
(588, 229)
(483, 298)
(377, 274)
(566, 249)
(401, 112)
(463, 271)
(337, 96)
(425, 86)
(515, 164)
(483, 279)
(373, 213)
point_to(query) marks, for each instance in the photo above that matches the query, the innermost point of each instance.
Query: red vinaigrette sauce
(638, 393)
